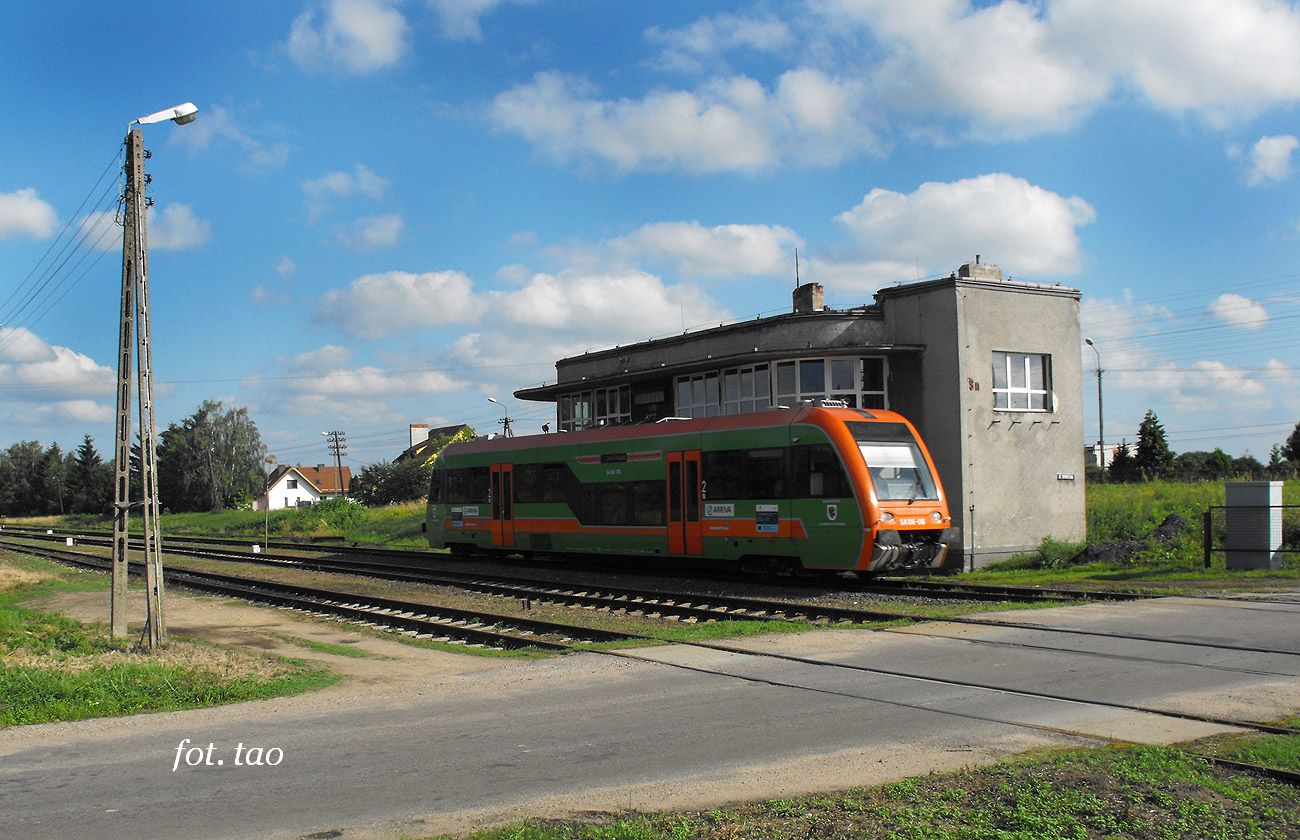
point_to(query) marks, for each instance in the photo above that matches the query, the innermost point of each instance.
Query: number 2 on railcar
(817, 487)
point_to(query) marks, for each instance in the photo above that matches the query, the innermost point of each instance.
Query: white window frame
(599, 407)
(1020, 390)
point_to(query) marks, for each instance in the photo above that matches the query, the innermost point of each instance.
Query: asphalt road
(674, 726)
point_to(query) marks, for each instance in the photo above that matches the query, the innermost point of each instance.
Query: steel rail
(406, 615)
(876, 585)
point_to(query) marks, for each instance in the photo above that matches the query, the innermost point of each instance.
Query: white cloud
(37, 372)
(371, 233)
(23, 213)
(720, 251)
(286, 267)
(176, 228)
(729, 124)
(216, 124)
(378, 305)
(687, 48)
(356, 36)
(1223, 58)
(86, 411)
(1270, 159)
(872, 69)
(1239, 311)
(173, 228)
(945, 223)
(619, 307)
(459, 19)
(361, 181)
(861, 276)
(1001, 68)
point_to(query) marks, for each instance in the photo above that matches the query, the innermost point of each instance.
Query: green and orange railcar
(816, 487)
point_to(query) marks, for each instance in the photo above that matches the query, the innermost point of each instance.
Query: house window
(1022, 381)
(291, 484)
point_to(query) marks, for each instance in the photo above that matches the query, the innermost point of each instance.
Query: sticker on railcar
(470, 510)
(767, 519)
(457, 517)
(715, 511)
(832, 513)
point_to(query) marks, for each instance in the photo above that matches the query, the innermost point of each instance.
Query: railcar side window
(745, 474)
(469, 484)
(818, 473)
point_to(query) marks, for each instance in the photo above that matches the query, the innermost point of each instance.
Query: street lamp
(1101, 433)
(504, 421)
(134, 329)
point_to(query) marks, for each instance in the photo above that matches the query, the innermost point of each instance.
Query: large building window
(860, 383)
(746, 390)
(1022, 381)
(599, 407)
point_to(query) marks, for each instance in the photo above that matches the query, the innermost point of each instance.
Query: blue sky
(387, 212)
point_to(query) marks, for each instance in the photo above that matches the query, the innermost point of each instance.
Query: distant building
(297, 486)
(987, 368)
(423, 440)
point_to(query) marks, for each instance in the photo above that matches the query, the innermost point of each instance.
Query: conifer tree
(1154, 458)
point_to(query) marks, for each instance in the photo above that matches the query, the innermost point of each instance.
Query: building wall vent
(810, 297)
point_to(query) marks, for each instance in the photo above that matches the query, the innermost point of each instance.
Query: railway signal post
(134, 327)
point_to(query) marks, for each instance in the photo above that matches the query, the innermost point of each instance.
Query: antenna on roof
(796, 268)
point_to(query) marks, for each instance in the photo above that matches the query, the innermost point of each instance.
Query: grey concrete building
(988, 369)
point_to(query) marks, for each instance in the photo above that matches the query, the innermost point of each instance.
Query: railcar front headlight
(886, 517)
(936, 517)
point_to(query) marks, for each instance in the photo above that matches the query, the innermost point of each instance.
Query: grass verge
(54, 669)
(1132, 792)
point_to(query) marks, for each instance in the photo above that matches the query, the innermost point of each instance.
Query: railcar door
(685, 530)
(503, 505)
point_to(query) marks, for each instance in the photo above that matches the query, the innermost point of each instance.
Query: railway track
(384, 560)
(513, 632)
(429, 621)
(657, 604)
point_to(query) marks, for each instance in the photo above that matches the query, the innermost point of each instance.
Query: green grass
(40, 695)
(1150, 792)
(397, 525)
(55, 690)
(1281, 752)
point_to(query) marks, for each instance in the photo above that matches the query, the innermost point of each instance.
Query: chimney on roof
(810, 297)
(979, 271)
(320, 468)
(419, 433)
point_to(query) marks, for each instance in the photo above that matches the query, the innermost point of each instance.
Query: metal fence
(1218, 540)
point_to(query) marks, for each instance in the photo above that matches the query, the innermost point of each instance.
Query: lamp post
(504, 421)
(134, 328)
(1101, 429)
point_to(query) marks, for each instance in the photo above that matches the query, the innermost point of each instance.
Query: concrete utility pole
(134, 326)
(338, 448)
(1101, 429)
(504, 421)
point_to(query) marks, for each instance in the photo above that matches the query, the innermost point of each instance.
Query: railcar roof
(772, 418)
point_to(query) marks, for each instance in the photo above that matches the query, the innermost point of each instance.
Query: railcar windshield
(894, 460)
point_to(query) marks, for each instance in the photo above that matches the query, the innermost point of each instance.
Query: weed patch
(1142, 792)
